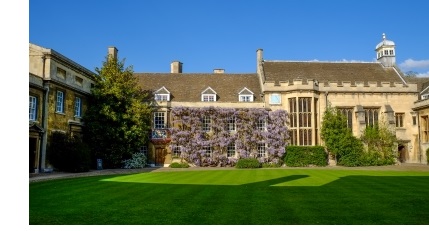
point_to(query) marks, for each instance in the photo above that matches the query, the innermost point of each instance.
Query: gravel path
(34, 177)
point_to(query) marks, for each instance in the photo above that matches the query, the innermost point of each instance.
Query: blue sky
(210, 34)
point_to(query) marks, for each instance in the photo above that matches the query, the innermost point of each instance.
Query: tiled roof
(187, 87)
(422, 82)
(329, 71)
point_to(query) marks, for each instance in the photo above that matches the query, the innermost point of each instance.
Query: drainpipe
(42, 160)
(419, 139)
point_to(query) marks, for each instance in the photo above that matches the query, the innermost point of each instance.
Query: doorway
(159, 156)
(402, 153)
(32, 154)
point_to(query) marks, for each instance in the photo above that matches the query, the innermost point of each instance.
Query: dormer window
(162, 94)
(245, 95)
(208, 95)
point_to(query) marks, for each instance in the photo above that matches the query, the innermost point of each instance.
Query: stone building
(58, 96)
(366, 92)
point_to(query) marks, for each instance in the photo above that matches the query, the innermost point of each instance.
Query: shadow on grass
(358, 200)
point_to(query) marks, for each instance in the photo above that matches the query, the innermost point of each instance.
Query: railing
(160, 136)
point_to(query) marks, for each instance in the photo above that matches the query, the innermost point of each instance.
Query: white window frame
(231, 125)
(208, 149)
(261, 125)
(262, 150)
(60, 102)
(206, 123)
(159, 123)
(246, 98)
(208, 97)
(177, 151)
(162, 97)
(230, 150)
(32, 108)
(277, 97)
(78, 107)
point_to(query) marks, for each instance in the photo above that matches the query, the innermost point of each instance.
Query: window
(61, 73)
(246, 98)
(206, 123)
(386, 52)
(426, 96)
(245, 95)
(162, 97)
(300, 130)
(77, 107)
(371, 116)
(208, 95)
(177, 151)
(159, 120)
(33, 108)
(60, 102)
(208, 98)
(261, 150)
(231, 123)
(391, 52)
(230, 150)
(399, 118)
(207, 150)
(78, 80)
(261, 125)
(347, 112)
(143, 150)
(414, 120)
(275, 98)
(425, 128)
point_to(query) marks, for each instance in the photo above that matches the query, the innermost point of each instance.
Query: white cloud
(425, 74)
(410, 64)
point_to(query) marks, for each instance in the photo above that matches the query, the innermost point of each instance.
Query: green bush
(248, 163)
(304, 156)
(272, 165)
(67, 153)
(179, 165)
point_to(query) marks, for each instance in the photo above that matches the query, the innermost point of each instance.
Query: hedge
(305, 156)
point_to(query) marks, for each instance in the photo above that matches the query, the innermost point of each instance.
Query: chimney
(176, 67)
(113, 52)
(218, 71)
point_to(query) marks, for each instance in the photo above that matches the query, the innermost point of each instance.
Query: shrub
(138, 160)
(248, 163)
(67, 153)
(304, 156)
(179, 165)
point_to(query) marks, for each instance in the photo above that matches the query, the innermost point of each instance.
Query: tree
(339, 139)
(118, 117)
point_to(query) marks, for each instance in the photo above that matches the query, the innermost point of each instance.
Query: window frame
(60, 102)
(162, 97)
(159, 120)
(245, 98)
(78, 107)
(206, 123)
(272, 95)
(262, 147)
(208, 97)
(399, 120)
(32, 108)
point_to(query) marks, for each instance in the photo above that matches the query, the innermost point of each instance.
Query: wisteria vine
(187, 133)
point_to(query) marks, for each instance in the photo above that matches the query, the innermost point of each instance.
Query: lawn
(235, 197)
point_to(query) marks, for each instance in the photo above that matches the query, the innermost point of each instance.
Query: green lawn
(229, 197)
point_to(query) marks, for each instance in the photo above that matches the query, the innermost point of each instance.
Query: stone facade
(59, 91)
(368, 93)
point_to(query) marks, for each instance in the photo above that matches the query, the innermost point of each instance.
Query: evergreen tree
(118, 117)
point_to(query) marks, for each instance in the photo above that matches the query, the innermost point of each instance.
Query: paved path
(56, 175)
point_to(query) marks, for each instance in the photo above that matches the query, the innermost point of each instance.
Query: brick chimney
(218, 71)
(176, 67)
(113, 52)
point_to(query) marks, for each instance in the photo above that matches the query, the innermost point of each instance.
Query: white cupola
(385, 51)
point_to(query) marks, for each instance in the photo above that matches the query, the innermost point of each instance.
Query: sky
(211, 34)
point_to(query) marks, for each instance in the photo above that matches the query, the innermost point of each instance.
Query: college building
(367, 93)
(58, 96)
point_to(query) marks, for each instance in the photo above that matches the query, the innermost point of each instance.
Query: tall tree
(118, 118)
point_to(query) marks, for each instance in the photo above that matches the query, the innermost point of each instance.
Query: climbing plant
(204, 134)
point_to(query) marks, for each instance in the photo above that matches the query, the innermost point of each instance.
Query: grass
(235, 197)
